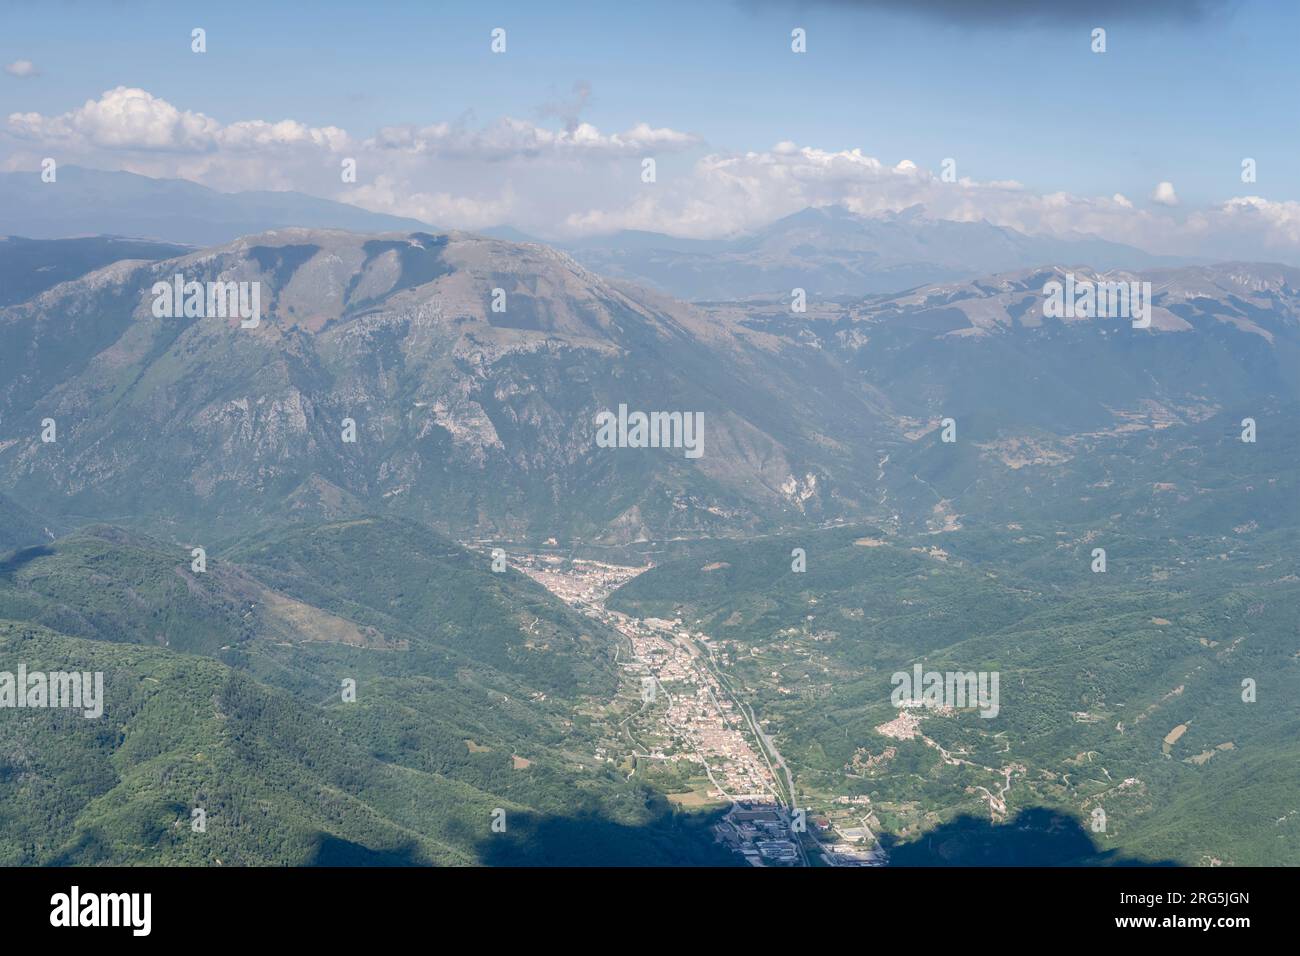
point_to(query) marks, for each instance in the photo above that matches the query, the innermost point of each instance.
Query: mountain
(98, 202)
(1034, 395)
(830, 251)
(283, 781)
(1219, 336)
(474, 691)
(478, 421)
(30, 266)
(483, 422)
(1119, 691)
(331, 560)
(18, 526)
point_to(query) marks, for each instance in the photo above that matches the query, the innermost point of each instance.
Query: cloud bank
(563, 177)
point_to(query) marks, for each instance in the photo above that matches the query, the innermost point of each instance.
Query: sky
(1143, 143)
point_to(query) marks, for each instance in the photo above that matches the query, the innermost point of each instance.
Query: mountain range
(410, 400)
(92, 202)
(198, 420)
(397, 333)
(827, 250)
(830, 251)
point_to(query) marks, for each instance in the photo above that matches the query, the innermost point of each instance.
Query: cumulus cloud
(730, 193)
(1283, 218)
(126, 118)
(387, 194)
(134, 119)
(1249, 227)
(455, 173)
(1164, 194)
(22, 68)
(509, 138)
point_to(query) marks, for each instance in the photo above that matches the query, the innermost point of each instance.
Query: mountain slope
(398, 334)
(480, 419)
(1120, 691)
(473, 691)
(1220, 337)
(18, 526)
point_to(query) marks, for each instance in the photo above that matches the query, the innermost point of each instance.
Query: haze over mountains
(827, 250)
(832, 252)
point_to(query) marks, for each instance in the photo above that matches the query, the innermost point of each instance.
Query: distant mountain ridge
(88, 202)
(827, 250)
(30, 266)
(831, 251)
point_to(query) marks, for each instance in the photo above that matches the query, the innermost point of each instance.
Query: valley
(1073, 737)
(761, 436)
(687, 714)
(688, 654)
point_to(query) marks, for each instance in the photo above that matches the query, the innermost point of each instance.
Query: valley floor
(691, 715)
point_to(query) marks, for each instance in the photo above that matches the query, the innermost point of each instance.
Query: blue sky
(1009, 98)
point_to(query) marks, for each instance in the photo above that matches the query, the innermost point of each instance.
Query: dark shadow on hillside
(590, 840)
(23, 556)
(89, 848)
(1037, 836)
(336, 851)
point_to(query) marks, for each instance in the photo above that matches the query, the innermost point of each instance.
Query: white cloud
(126, 118)
(458, 173)
(509, 138)
(123, 118)
(386, 194)
(576, 179)
(259, 134)
(1164, 194)
(728, 193)
(1281, 219)
(1250, 228)
(22, 68)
